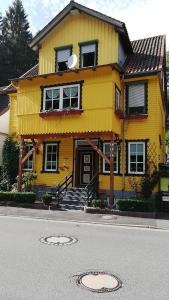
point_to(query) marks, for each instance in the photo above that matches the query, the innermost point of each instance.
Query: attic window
(62, 55)
(88, 54)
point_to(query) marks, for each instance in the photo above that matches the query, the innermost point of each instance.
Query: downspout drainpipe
(123, 140)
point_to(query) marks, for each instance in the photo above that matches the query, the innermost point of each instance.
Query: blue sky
(143, 18)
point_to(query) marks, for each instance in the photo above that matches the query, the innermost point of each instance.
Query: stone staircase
(74, 198)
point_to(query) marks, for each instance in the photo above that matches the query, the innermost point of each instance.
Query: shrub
(18, 198)
(136, 205)
(47, 199)
(99, 203)
(10, 159)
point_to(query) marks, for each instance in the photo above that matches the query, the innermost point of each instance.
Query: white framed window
(136, 157)
(28, 164)
(136, 97)
(51, 157)
(62, 56)
(117, 98)
(106, 151)
(61, 98)
(88, 54)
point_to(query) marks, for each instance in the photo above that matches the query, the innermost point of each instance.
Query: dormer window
(62, 56)
(88, 54)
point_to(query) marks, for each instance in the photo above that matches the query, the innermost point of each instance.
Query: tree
(16, 57)
(10, 160)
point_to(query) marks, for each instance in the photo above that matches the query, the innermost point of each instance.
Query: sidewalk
(80, 216)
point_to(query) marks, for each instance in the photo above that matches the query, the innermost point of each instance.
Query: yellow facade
(97, 99)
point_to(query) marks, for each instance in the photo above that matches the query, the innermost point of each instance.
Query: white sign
(165, 198)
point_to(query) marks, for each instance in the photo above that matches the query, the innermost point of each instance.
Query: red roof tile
(148, 55)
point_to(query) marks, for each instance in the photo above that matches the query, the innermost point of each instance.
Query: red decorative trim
(60, 113)
(139, 117)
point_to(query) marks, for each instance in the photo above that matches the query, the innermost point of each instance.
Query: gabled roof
(148, 55)
(120, 26)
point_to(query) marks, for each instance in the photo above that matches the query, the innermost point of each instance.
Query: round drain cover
(100, 282)
(60, 240)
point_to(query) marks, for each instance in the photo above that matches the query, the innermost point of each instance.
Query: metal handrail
(63, 186)
(92, 188)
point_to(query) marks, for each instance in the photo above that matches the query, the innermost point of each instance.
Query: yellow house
(93, 110)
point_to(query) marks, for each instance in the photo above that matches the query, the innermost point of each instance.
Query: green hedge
(19, 198)
(136, 205)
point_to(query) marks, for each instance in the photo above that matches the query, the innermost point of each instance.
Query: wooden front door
(86, 166)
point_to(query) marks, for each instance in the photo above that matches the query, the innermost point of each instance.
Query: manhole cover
(60, 240)
(108, 217)
(100, 282)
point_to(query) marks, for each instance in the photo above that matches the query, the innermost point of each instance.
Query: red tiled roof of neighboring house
(148, 55)
(31, 72)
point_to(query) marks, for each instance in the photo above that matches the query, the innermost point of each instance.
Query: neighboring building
(4, 120)
(112, 101)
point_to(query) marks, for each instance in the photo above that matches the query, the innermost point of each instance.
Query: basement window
(88, 54)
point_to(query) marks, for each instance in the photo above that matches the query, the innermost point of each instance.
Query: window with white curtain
(136, 157)
(61, 98)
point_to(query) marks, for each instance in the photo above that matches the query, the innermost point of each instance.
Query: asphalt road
(31, 270)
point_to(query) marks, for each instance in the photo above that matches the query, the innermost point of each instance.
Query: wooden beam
(98, 150)
(31, 151)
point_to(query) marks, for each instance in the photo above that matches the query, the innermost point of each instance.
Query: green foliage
(148, 182)
(47, 199)
(136, 205)
(99, 203)
(18, 198)
(27, 180)
(10, 160)
(167, 58)
(16, 57)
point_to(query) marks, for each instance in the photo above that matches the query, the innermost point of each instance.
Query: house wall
(4, 122)
(98, 99)
(76, 29)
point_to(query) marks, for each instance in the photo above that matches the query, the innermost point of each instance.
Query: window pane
(66, 92)
(140, 158)
(133, 158)
(88, 59)
(140, 167)
(56, 93)
(55, 104)
(48, 105)
(140, 148)
(66, 103)
(74, 91)
(133, 148)
(74, 102)
(133, 167)
(49, 94)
